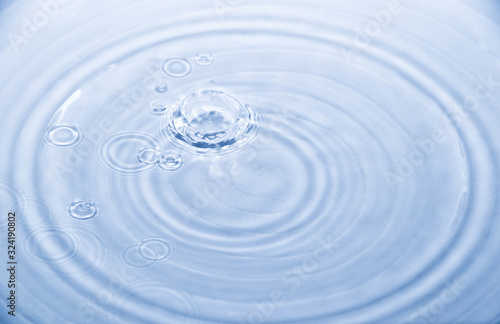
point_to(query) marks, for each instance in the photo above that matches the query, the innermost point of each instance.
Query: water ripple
(63, 136)
(119, 152)
(307, 162)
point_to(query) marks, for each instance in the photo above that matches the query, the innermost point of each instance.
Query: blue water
(237, 161)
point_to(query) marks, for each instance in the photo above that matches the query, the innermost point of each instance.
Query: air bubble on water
(148, 155)
(158, 107)
(210, 119)
(161, 86)
(82, 209)
(170, 161)
(63, 135)
(204, 58)
(176, 67)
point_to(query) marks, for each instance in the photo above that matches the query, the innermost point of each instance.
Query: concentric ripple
(252, 161)
(154, 249)
(32, 212)
(177, 67)
(51, 245)
(152, 300)
(148, 155)
(63, 136)
(146, 253)
(124, 152)
(73, 253)
(130, 258)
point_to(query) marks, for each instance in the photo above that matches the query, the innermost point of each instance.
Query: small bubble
(204, 58)
(161, 86)
(63, 135)
(148, 155)
(158, 107)
(154, 250)
(170, 161)
(81, 209)
(177, 67)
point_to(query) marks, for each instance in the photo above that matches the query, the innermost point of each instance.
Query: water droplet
(204, 58)
(81, 209)
(177, 67)
(210, 119)
(148, 155)
(161, 86)
(158, 107)
(154, 250)
(63, 135)
(170, 161)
